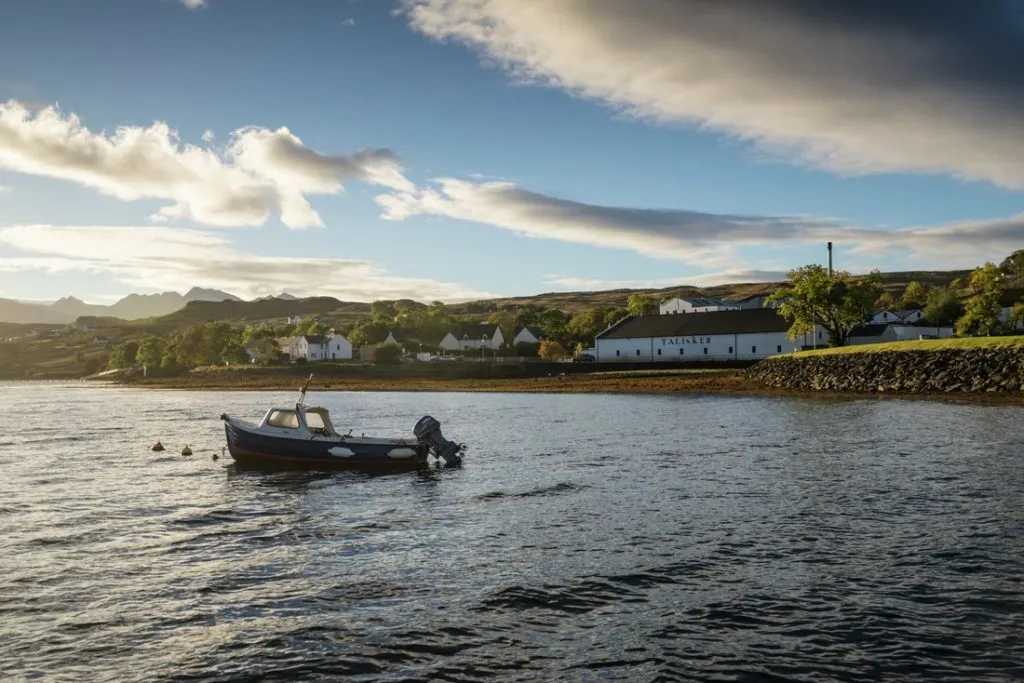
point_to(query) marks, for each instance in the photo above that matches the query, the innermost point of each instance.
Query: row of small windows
(753, 349)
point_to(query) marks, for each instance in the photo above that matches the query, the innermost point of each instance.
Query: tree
(257, 332)
(914, 296)
(124, 355)
(885, 301)
(311, 326)
(151, 353)
(943, 307)
(267, 350)
(641, 304)
(383, 312)
(387, 354)
(234, 353)
(1016, 318)
(836, 302)
(586, 325)
(981, 313)
(550, 350)
(1013, 265)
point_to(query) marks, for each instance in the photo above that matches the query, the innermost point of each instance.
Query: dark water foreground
(587, 538)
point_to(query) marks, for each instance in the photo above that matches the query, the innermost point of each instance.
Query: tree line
(839, 302)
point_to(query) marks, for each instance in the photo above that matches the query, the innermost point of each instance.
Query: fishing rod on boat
(302, 392)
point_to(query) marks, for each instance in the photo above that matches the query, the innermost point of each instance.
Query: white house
(886, 316)
(677, 305)
(1004, 316)
(527, 335)
(394, 339)
(315, 347)
(741, 334)
(467, 337)
(294, 320)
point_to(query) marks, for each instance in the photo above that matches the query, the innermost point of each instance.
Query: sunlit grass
(921, 345)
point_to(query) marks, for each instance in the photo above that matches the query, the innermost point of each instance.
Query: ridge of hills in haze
(200, 305)
(132, 307)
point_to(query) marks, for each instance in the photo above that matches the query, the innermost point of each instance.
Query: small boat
(303, 437)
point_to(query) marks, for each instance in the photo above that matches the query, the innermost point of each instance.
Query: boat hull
(251, 448)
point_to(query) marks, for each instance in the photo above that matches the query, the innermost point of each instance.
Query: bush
(387, 354)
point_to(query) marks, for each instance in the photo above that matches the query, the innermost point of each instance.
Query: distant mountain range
(131, 307)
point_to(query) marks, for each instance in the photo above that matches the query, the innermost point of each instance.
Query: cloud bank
(258, 172)
(177, 259)
(686, 236)
(853, 86)
(700, 239)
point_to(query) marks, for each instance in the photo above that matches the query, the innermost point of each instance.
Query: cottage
(678, 305)
(312, 347)
(740, 334)
(467, 337)
(905, 317)
(527, 335)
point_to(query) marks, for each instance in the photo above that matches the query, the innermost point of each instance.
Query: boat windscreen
(318, 419)
(284, 418)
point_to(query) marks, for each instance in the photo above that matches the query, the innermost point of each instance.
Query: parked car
(584, 358)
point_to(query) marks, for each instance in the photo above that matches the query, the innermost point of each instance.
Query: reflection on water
(586, 538)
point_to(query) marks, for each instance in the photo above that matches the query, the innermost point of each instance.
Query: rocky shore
(948, 371)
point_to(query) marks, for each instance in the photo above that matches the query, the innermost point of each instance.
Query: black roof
(474, 330)
(742, 321)
(871, 330)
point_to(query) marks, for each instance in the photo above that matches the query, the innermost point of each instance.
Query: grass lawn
(922, 345)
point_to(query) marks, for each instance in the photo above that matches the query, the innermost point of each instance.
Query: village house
(740, 334)
(678, 305)
(527, 335)
(478, 336)
(312, 347)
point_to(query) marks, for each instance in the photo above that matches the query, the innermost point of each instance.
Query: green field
(920, 345)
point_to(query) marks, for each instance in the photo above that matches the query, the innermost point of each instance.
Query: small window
(659, 352)
(705, 350)
(680, 350)
(730, 349)
(778, 349)
(753, 349)
(819, 334)
(638, 352)
(618, 352)
(284, 418)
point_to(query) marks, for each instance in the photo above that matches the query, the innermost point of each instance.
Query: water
(609, 538)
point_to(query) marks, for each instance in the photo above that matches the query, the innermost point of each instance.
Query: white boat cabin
(312, 419)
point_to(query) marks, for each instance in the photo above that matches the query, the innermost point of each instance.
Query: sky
(461, 149)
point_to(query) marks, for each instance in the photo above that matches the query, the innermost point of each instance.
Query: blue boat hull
(252, 449)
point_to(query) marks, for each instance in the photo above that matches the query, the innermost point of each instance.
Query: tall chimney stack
(830, 259)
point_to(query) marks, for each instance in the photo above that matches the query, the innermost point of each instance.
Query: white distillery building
(680, 304)
(742, 334)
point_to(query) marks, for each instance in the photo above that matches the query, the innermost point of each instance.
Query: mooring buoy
(186, 451)
(157, 446)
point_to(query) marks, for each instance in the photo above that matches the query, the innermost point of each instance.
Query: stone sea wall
(926, 372)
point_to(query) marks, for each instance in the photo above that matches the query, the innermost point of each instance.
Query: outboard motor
(429, 430)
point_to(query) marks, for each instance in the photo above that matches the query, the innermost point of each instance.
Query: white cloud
(724, 277)
(194, 4)
(5, 188)
(208, 137)
(178, 259)
(701, 239)
(259, 171)
(349, 22)
(880, 87)
(686, 236)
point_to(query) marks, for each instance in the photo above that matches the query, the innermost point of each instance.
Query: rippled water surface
(586, 538)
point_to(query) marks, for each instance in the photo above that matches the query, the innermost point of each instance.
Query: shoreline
(654, 382)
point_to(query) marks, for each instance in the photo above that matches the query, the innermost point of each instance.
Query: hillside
(131, 307)
(573, 302)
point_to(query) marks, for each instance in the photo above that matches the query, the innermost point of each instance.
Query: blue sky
(581, 146)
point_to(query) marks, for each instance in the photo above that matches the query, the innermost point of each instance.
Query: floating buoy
(157, 446)
(214, 457)
(186, 451)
